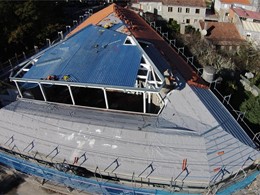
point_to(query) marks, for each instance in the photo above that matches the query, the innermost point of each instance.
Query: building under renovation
(113, 109)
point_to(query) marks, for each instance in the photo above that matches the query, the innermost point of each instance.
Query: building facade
(223, 6)
(184, 12)
(247, 23)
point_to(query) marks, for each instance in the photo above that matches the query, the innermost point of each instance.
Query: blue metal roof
(157, 58)
(94, 55)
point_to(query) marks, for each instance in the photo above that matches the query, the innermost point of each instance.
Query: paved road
(15, 183)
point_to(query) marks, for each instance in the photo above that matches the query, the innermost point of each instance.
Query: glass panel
(125, 101)
(88, 97)
(30, 90)
(56, 93)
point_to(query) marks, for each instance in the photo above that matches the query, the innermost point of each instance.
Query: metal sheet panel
(94, 55)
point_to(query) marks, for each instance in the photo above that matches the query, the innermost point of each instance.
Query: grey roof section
(187, 110)
(224, 118)
(185, 129)
(135, 140)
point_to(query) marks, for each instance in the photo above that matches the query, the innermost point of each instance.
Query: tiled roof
(192, 3)
(246, 13)
(243, 2)
(222, 33)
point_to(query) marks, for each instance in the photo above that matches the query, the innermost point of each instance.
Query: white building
(186, 11)
(223, 6)
(247, 23)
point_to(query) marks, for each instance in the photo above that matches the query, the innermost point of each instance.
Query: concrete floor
(15, 183)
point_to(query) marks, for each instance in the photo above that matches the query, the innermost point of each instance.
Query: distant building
(247, 23)
(188, 12)
(222, 35)
(223, 6)
(113, 109)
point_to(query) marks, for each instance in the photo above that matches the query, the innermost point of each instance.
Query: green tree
(7, 23)
(252, 108)
(26, 16)
(28, 23)
(174, 26)
(247, 58)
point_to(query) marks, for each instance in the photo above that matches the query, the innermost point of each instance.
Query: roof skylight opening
(129, 41)
(143, 60)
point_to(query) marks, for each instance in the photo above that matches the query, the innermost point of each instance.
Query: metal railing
(12, 64)
(238, 115)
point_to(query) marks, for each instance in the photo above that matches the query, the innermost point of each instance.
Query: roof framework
(193, 125)
(111, 62)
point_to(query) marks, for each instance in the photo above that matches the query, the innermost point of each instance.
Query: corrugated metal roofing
(94, 55)
(251, 26)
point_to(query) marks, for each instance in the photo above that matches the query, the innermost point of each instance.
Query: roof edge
(94, 18)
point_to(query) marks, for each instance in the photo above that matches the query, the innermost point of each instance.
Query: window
(187, 21)
(187, 10)
(179, 9)
(149, 8)
(169, 9)
(197, 11)
(159, 8)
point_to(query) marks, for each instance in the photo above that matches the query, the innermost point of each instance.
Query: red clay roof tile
(243, 2)
(192, 3)
(222, 33)
(246, 13)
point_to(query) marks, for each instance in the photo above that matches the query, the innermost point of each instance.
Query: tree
(247, 58)
(174, 26)
(6, 26)
(252, 108)
(28, 23)
(26, 17)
